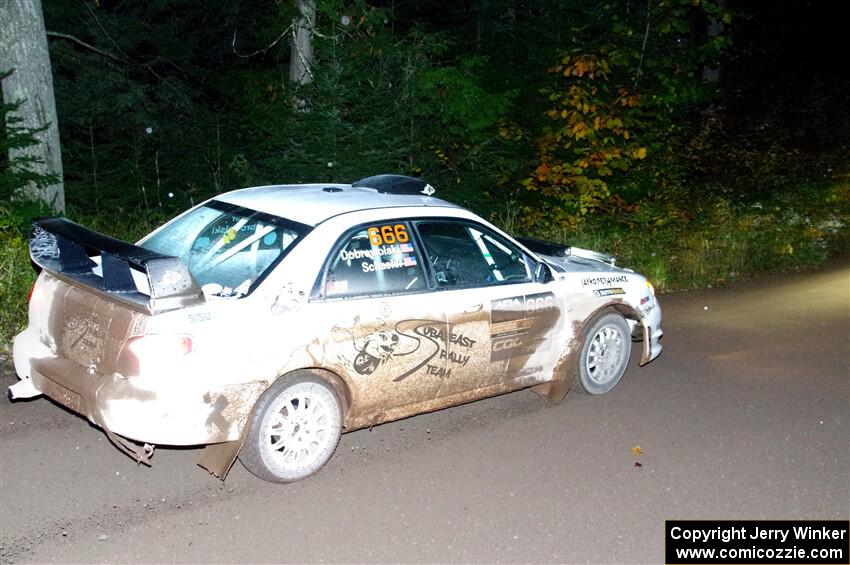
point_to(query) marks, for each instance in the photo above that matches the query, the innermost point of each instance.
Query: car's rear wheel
(604, 354)
(294, 429)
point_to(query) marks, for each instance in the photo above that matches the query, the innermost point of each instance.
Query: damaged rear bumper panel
(180, 414)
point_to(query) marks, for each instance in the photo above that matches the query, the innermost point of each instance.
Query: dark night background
(572, 120)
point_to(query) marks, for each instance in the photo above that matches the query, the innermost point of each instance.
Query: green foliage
(16, 278)
(725, 240)
(586, 122)
(455, 97)
(140, 117)
(591, 138)
(622, 95)
(16, 272)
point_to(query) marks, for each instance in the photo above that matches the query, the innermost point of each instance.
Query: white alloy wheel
(294, 430)
(604, 354)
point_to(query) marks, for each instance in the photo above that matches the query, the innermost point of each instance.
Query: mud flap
(646, 351)
(218, 458)
(555, 390)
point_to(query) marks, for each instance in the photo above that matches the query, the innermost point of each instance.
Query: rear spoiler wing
(65, 249)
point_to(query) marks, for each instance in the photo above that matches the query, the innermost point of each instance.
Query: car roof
(312, 204)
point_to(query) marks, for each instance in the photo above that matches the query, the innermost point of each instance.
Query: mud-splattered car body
(399, 303)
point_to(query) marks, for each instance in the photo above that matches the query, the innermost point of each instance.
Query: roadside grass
(16, 278)
(724, 241)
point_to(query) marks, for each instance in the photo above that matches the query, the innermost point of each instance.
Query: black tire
(605, 351)
(294, 429)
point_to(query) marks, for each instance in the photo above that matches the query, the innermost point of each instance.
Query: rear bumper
(173, 413)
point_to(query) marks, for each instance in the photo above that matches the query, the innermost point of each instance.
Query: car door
(384, 337)
(502, 322)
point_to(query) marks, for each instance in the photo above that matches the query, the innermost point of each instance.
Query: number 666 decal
(388, 235)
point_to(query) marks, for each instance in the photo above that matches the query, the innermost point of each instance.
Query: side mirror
(542, 274)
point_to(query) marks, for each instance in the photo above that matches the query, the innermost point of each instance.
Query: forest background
(699, 141)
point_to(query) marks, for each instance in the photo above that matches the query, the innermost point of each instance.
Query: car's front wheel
(294, 429)
(604, 354)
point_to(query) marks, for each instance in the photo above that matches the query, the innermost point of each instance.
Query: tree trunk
(301, 57)
(714, 27)
(23, 48)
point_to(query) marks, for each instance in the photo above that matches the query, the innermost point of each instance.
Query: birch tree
(23, 49)
(301, 57)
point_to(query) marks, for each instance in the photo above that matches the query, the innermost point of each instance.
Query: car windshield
(227, 248)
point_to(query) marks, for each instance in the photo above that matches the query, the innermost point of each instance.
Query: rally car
(264, 322)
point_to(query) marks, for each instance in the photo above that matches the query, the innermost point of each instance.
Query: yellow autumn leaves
(590, 138)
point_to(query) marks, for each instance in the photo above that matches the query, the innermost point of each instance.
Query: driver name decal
(381, 258)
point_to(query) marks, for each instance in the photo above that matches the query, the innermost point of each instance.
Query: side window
(465, 254)
(375, 259)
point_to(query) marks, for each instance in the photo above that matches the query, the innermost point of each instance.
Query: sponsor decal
(83, 338)
(604, 280)
(375, 349)
(519, 307)
(200, 317)
(337, 286)
(455, 338)
(82, 332)
(644, 307)
(518, 324)
(437, 370)
(608, 291)
(411, 346)
(289, 300)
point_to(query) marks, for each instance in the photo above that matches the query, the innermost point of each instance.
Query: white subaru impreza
(266, 321)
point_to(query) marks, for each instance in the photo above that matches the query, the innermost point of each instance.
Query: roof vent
(396, 184)
(332, 189)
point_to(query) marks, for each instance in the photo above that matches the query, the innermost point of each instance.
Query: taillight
(154, 353)
(29, 296)
(160, 345)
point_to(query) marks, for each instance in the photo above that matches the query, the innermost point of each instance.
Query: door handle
(473, 309)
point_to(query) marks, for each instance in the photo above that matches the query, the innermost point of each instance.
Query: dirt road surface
(745, 415)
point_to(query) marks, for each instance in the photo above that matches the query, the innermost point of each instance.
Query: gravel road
(746, 414)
